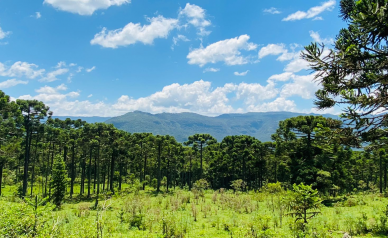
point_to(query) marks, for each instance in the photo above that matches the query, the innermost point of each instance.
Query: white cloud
(228, 51)
(199, 97)
(296, 65)
(272, 10)
(278, 49)
(317, 38)
(272, 49)
(303, 86)
(281, 77)
(196, 17)
(90, 95)
(11, 83)
(178, 38)
(318, 19)
(52, 76)
(61, 64)
(4, 34)
(312, 12)
(84, 7)
(38, 15)
(279, 104)
(21, 69)
(159, 27)
(241, 74)
(52, 95)
(91, 69)
(79, 69)
(211, 70)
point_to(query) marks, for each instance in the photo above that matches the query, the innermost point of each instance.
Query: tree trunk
(72, 171)
(112, 171)
(381, 174)
(1, 176)
(26, 156)
(201, 163)
(90, 171)
(144, 174)
(98, 175)
(120, 173)
(159, 165)
(33, 164)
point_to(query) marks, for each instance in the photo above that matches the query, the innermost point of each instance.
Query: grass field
(181, 213)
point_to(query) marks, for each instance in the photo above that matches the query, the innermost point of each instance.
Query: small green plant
(39, 206)
(304, 203)
(238, 185)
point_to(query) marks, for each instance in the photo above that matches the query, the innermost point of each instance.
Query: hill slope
(181, 125)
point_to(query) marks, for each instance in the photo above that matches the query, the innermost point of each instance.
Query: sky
(110, 57)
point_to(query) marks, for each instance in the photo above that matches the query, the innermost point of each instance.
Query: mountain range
(181, 125)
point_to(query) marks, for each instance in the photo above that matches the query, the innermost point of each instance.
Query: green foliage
(304, 203)
(59, 181)
(359, 59)
(238, 185)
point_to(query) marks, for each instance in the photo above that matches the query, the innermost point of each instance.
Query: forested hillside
(260, 125)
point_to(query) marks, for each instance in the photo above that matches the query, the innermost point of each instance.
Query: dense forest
(302, 183)
(99, 158)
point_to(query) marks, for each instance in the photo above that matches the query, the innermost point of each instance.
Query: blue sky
(109, 57)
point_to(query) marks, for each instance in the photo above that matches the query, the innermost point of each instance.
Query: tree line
(99, 158)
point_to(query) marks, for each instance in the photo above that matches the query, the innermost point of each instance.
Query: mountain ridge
(181, 125)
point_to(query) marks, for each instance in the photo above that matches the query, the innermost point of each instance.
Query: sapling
(304, 203)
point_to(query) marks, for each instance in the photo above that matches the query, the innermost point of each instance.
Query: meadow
(181, 213)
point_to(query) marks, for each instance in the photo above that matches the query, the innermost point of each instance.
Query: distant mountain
(87, 119)
(181, 125)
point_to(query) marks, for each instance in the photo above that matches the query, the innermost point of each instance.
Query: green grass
(183, 214)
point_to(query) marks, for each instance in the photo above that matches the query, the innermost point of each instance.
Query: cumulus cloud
(312, 12)
(227, 51)
(241, 74)
(272, 49)
(84, 7)
(278, 49)
(303, 86)
(279, 104)
(296, 65)
(51, 95)
(199, 97)
(11, 83)
(196, 16)
(281, 77)
(272, 10)
(21, 69)
(211, 70)
(132, 33)
(38, 15)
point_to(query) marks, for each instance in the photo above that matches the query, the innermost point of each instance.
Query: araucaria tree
(355, 72)
(200, 141)
(304, 203)
(59, 181)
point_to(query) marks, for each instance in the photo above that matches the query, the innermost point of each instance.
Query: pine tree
(59, 181)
